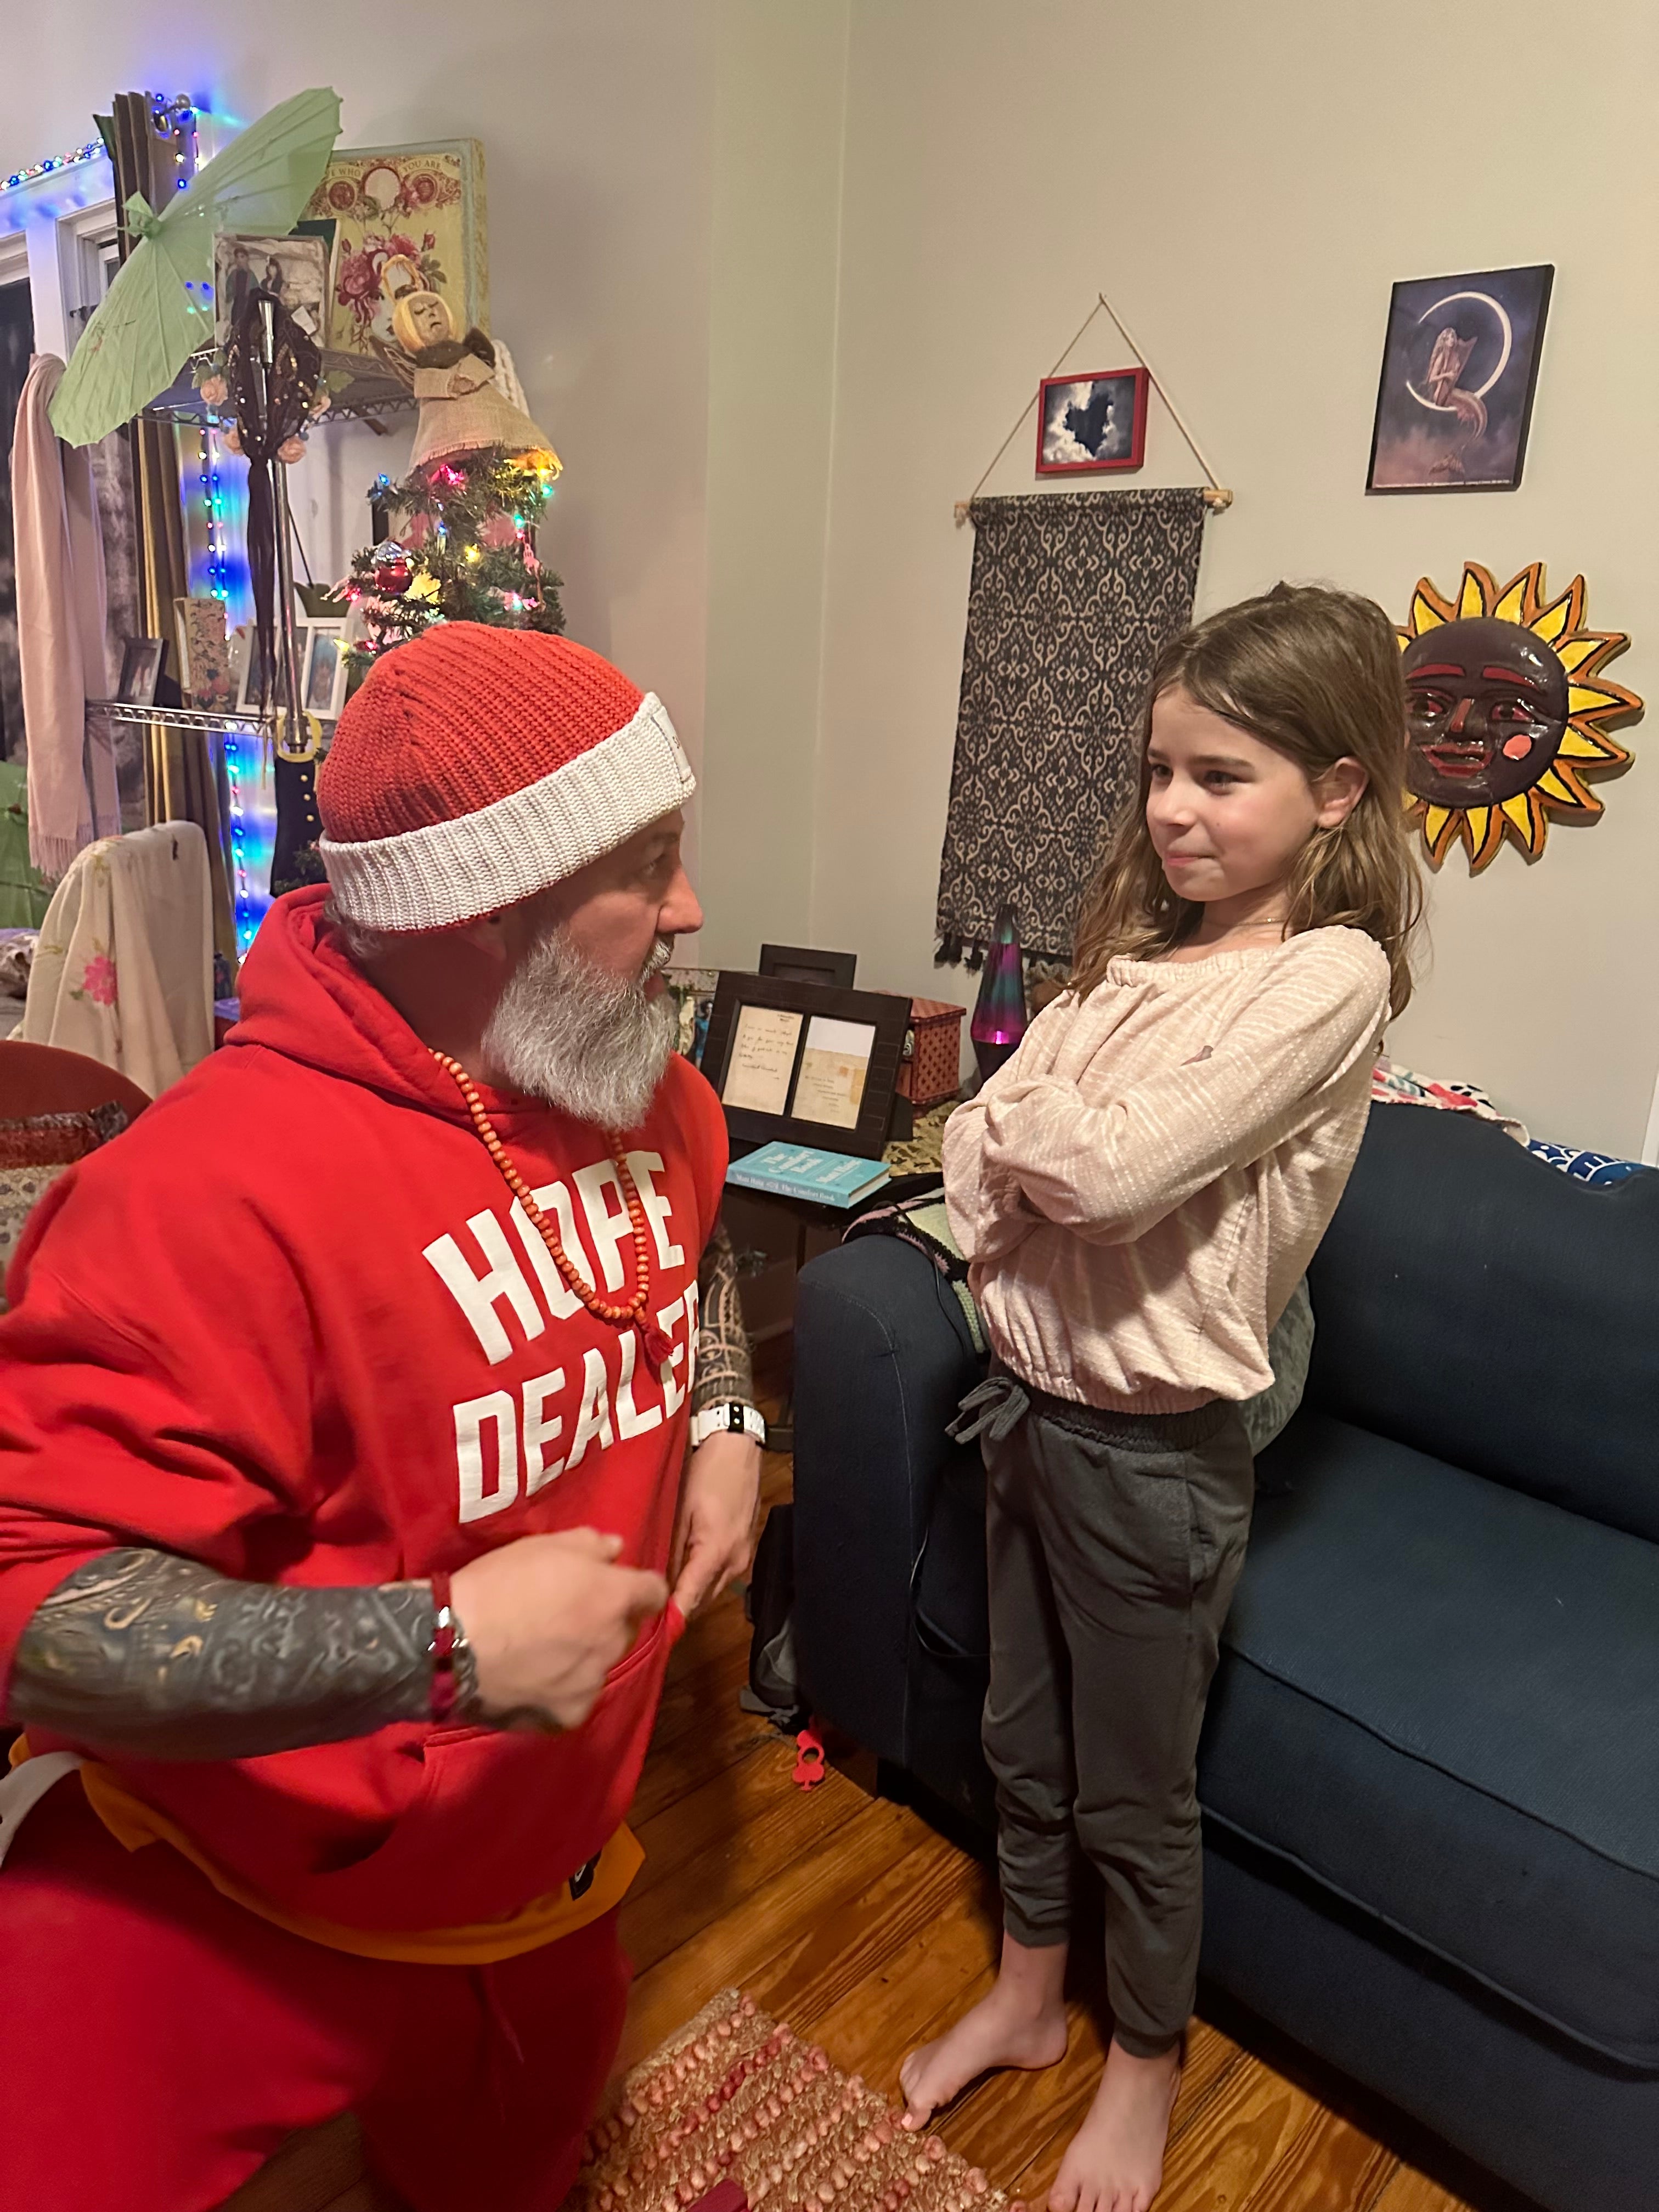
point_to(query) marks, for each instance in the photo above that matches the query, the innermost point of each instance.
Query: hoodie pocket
(502, 1817)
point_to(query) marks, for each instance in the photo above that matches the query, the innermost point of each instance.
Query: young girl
(1140, 1189)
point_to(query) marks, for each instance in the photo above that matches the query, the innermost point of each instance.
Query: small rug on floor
(735, 2097)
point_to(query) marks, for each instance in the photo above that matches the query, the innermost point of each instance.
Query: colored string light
(251, 839)
(171, 119)
(90, 152)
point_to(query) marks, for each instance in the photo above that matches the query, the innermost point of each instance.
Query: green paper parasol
(159, 310)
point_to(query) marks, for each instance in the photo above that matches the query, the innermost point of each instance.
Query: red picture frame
(1081, 431)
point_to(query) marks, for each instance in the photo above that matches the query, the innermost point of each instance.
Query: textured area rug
(734, 2097)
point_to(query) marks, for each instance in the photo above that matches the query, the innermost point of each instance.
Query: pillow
(20, 1189)
(33, 1154)
(47, 1140)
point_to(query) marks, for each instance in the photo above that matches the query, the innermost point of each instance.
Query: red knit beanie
(477, 766)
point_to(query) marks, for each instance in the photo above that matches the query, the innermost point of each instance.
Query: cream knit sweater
(1141, 1186)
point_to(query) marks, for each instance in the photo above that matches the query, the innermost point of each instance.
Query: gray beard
(580, 1040)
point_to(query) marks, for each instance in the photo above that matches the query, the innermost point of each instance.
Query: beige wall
(778, 112)
(1248, 182)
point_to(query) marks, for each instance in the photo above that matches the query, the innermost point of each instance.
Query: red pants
(157, 2043)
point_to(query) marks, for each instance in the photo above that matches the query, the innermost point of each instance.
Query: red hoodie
(293, 1324)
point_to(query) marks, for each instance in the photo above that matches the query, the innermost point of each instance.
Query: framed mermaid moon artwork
(1508, 711)
(1460, 367)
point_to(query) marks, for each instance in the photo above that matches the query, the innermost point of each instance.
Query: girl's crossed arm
(1109, 1172)
(988, 1216)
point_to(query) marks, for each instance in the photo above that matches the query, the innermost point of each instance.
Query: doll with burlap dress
(469, 397)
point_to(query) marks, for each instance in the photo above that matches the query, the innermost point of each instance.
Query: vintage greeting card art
(418, 205)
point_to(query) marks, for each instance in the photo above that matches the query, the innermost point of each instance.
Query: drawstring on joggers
(996, 1406)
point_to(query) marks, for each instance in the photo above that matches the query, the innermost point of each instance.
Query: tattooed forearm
(142, 1652)
(723, 1362)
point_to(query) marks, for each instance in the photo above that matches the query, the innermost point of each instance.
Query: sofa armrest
(883, 1356)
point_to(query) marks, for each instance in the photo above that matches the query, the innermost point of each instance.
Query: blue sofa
(1430, 1774)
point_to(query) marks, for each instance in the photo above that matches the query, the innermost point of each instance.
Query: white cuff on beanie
(447, 873)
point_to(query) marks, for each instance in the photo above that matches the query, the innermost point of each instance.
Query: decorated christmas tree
(464, 548)
(463, 519)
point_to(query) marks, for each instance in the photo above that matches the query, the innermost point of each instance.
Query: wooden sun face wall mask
(1507, 712)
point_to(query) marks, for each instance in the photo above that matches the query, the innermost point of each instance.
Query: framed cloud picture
(1087, 425)
(1460, 367)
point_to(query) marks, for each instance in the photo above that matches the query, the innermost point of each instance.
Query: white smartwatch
(728, 1415)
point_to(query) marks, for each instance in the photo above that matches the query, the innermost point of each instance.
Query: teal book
(802, 1171)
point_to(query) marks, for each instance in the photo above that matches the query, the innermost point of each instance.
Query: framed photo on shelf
(322, 689)
(1089, 424)
(293, 269)
(247, 695)
(140, 670)
(801, 963)
(1460, 368)
(806, 1062)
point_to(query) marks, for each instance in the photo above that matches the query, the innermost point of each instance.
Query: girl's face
(1227, 813)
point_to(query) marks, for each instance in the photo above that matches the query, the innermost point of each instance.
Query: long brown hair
(1315, 674)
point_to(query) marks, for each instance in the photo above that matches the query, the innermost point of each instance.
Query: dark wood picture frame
(1515, 295)
(142, 659)
(1140, 383)
(884, 1012)
(799, 963)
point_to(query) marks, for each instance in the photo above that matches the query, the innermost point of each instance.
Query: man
(344, 1532)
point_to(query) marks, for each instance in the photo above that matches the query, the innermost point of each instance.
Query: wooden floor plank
(784, 1908)
(702, 1852)
(311, 2172)
(1332, 2166)
(1253, 2121)
(829, 1965)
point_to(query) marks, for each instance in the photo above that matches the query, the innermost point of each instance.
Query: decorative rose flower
(360, 276)
(98, 981)
(215, 391)
(291, 450)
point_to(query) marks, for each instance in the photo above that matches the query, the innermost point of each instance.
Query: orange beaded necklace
(657, 1345)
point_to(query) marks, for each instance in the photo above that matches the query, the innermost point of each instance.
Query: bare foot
(1009, 2027)
(1115, 2162)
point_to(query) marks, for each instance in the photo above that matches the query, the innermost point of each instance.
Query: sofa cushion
(1440, 1698)
(1472, 1302)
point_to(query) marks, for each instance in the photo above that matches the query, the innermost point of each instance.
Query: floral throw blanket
(1393, 1085)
